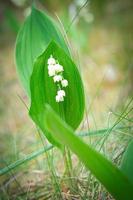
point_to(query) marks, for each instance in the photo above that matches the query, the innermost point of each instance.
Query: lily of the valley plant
(56, 95)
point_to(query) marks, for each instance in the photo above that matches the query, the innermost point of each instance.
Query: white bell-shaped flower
(64, 83)
(57, 78)
(51, 61)
(59, 98)
(61, 93)
(51, 67)
(59, 68)
(51, 72)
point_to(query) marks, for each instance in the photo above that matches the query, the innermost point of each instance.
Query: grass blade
(22, 161)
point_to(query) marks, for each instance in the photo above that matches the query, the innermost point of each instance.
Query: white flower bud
(64, 83)
(57, 78)
(51, 61)
(59, 68)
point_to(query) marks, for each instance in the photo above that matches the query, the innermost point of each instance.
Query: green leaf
(36, 33)
(127, 162)
(105, 171)
(44, 90)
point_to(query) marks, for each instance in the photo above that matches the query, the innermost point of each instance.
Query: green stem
(55, 181)
(53, 176)
(67, 156)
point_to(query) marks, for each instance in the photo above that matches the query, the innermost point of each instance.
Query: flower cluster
(55, 70)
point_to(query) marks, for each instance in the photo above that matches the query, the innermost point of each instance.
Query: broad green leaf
(127, 162)
(44, 90)
(105, 171)
(36, 33)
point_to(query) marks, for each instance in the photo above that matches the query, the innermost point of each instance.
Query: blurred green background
(100, 33)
